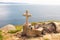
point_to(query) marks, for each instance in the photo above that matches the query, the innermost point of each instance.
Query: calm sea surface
(12, 14)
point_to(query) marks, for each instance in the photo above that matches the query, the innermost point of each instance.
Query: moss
(46, 39)
(19, 27)
(33, 23)
(1, 36)
(12, 31)
(0, 31)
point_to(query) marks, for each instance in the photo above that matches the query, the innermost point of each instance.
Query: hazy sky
(47, 10)
(48, 2)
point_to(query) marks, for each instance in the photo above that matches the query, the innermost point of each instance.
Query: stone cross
(27, 15)
(25, 27)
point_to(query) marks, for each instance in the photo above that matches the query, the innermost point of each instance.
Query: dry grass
(46, 37)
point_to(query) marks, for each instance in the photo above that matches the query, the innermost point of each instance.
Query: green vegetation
(0, 32)
(46, 39)
(12, 31)
(18, 28)
(1, 37)
(52, 21)
(33, 23)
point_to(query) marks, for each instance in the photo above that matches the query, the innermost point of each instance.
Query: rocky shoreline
(18, 34)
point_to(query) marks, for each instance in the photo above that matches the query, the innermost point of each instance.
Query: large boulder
(8, 28)
(57, 24)
(52, 27)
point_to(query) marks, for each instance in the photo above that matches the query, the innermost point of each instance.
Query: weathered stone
(8, 28)
(49, 28)
(57, 26)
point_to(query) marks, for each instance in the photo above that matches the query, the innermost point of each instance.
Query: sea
(13, 13)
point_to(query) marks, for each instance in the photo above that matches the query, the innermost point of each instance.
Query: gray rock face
(57, 26)
(49, 28)
(52, 27)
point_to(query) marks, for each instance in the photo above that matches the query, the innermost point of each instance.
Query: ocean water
(12, 14)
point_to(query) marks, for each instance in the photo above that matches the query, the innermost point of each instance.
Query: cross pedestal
(25, 27)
